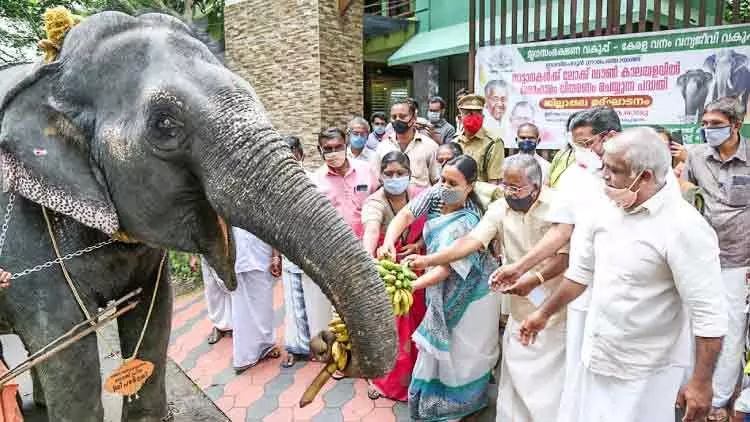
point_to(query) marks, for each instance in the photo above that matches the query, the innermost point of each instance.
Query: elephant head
(724, 64)
(136, 128)
(694, 86)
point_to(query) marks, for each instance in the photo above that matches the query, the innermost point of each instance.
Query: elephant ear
(45, 158)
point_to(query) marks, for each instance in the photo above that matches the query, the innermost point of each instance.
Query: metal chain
(6, 221)
(62, 259)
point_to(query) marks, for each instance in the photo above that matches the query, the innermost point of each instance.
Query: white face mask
(588, 159)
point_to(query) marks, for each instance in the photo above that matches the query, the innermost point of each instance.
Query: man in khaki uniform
(517, 221)
(476, 142)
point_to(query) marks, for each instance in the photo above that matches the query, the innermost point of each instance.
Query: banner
(659, 78)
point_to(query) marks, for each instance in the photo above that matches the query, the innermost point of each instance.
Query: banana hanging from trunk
(398, 280)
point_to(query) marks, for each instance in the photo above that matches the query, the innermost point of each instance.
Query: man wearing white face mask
(579, 192)
(652, 264)
(721, 169)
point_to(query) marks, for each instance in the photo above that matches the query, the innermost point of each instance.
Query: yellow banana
(338, 328)
(335, 321)
(400, 301)
(342, 337)
(342, 360)
(336, 351)
(410, 298)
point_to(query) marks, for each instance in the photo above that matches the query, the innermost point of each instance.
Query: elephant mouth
(221, 254)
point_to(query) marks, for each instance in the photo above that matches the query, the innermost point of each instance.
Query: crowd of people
(613, 279)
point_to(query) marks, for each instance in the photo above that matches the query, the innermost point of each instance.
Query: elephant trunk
(252, 180)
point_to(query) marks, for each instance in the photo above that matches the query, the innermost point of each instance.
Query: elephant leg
(70, 383)
(38, 388)
(151, 404)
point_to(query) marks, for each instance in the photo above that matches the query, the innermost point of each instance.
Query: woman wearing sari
(458, 339)
(377, 213)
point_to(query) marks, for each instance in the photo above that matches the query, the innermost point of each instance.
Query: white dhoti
(650, 399)
(570, 399)
(218, 298)
(729, 365)
(252, 313)
(531, 378)
(317, 306)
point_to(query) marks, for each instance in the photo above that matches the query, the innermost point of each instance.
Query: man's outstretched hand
(531, 326)
(505, 276)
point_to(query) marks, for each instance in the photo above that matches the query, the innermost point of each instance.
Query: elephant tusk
(224, 234)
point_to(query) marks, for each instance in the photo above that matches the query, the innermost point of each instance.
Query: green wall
(433, 14)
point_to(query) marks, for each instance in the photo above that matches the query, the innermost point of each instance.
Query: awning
(454, 39)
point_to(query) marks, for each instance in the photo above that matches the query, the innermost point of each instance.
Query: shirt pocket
(738, 194)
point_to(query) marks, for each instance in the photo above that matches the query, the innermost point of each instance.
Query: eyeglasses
(585, 143)
(513, 190)
(326, 150)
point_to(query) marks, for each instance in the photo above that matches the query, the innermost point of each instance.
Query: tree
(21, 25)
(744, 11)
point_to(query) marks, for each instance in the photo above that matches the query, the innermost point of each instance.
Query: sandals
(217, 334)
(272, 353)
(718, 415)
(338, 375)
(372, 392)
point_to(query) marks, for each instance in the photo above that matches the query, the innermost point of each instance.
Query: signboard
(658, 78)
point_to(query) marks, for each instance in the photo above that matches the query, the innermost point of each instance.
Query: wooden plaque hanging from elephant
(129, 378)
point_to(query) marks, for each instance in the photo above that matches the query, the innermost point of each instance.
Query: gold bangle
(540, 277)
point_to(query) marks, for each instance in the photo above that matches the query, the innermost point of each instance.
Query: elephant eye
(166, 131)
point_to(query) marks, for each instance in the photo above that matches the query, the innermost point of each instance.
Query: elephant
(694, 85)
(731, 75)
(136, 131)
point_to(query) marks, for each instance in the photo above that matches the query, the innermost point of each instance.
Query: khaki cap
(471, 102)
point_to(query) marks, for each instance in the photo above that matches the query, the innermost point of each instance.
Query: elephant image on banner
(694, 86)
(731, 75)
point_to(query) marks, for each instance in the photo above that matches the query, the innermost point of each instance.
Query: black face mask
(400, 126)
(520, 204)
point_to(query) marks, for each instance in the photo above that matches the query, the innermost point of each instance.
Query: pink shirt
(348, 193)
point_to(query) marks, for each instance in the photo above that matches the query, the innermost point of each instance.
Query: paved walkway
(267, 392)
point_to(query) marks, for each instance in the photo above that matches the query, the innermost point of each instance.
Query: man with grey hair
(720, 167)
(579, 192)
(358, 130)
(649, 285)
(496, 92)
(531, 379)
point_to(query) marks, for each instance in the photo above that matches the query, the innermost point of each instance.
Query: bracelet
(540, 277)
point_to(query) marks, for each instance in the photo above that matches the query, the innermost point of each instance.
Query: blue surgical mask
(357, 141)
(526, 145)
(433, 116)
(396, 185)
(379, 130)
(716, 136)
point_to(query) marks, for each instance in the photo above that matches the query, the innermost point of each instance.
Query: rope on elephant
(150, 307)
(62, 266)
(57, 22)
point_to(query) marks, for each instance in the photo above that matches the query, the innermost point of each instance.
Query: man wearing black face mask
(527, 139)
(517, 221)
(420, 148)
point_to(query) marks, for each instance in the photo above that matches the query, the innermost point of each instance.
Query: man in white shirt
(579, 192)
(652, 263)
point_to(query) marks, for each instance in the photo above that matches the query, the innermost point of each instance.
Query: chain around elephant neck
(58, 260)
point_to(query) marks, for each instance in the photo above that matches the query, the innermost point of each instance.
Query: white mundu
(644, 273)
(521, 396)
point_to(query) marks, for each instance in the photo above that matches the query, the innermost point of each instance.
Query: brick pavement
(268, 392)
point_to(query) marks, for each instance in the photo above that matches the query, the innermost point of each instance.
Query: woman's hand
(387, 251)
(409, 249)
(4, 279)
(417, 262)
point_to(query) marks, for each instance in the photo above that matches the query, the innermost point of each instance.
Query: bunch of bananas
(341, 346)
(397, 279)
